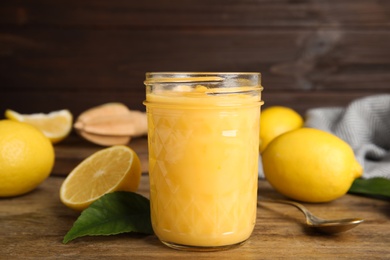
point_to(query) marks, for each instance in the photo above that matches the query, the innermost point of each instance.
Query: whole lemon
(26, 158)
(310, 165)
(275, 121)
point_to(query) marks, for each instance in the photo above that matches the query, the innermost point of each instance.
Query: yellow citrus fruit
(275, 121)
(55, 125)
(116, 168)
(310, 165)
(26, 158)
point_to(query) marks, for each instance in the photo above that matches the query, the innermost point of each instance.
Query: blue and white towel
(365, 125)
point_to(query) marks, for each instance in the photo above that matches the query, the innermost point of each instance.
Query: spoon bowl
(325, 226)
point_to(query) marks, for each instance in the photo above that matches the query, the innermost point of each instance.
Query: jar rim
(185, 77)
(201, 72)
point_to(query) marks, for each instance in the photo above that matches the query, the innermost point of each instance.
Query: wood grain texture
(72, 54)
(205, 13)
(326, 59)
(33, 226)
(78, 54)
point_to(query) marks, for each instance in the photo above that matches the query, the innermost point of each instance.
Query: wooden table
(33, 225)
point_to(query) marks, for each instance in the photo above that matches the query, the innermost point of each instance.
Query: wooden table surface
(33, 225)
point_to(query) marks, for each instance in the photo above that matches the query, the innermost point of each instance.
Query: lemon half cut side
(116, 168)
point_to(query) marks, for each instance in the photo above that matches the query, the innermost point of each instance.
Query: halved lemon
(55, 125)
(116, 168)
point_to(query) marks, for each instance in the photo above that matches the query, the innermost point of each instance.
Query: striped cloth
(365, 125)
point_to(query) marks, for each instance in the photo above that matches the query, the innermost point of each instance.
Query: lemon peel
(26, 158)
(310, 165)
(275, 121)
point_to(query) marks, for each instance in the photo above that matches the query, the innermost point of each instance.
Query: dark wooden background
(76, 54)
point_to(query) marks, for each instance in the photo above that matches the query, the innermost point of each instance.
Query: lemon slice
(55, 125)
(116, 168)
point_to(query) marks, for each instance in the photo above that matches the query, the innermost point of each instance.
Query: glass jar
(203, 135)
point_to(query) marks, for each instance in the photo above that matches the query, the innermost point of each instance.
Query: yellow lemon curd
(203, 165)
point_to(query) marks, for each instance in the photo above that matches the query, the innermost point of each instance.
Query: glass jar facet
(203, 134)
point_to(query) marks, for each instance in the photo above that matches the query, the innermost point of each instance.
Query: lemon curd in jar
(203, 164)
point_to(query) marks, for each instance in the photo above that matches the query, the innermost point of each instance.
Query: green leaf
(372, 187)
(113, 213)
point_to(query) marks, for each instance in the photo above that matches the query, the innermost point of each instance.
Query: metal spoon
(325, 226)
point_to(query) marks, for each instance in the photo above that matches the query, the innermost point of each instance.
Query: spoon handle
(325, 226)
(310, 219)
